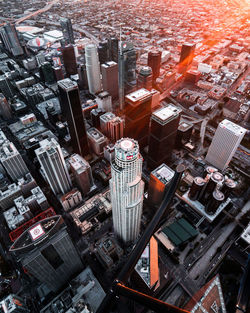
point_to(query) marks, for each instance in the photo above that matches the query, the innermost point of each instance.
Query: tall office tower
(187, 55)
(10, 40)
(164, 125)
(46, 73)
(110, 78)
(82, 173)
(137, 115)
(160, 179)
(58, 72)
(93, 69)
(104, 101)
(145, 78)
(116, 129)
(154, 61)
(67, 30)
(46, 251)
(82, 74)
(103, 51)
(12, 161)
(69, 60)
(52, 163)
(13, 304)
(126, 189)
(97, 141)
(127, 68)
(95, 115)
(6, 87)
(225, 142)
(5, 109)
(105, 119)
(113, 49)
(72, 110)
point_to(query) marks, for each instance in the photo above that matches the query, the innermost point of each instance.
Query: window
(52, 256)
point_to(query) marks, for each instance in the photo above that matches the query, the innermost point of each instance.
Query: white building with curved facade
(93, 69)
(127, 188)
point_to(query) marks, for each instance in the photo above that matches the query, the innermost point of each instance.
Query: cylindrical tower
(126, 188)
(214, 203)
(196, 188)
(154, 61)
(145, 78)
(93, 69)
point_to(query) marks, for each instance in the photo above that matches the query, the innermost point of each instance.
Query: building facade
(126, 188)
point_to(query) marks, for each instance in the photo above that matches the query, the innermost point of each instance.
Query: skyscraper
(127, 68)
(67, 30)
(10, 40)
(82, 172)
(69, 60)
(137, 115)
(72, 110)
(12, 161)
(145, 78)
(52, 162)
(46, 73)
(113, 49)
(46, 251)
(126, 188)
(110, 78)
(225, 142)
(187, 55)
(164, 125)
(5, 109)
(93, 69)
(154, 61)
(103, 51)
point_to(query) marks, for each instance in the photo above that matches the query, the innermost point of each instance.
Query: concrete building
(225, 142)
(110, 78)
(126, 188)
(97, 141)
(53, 166)
(12, 161)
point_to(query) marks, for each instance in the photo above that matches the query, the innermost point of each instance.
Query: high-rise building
(93, 69)
(53, 166)
(225, 142)
(126, 188)
(46, 251)
(10, 40)
(58, 72)
(145, 78)
(12, 161)
(72, 110)
(103, 51)
(154, 61)
(5, 109)
(82, 173)
(110, 78)
(113, 49)
(13, 304)
(97, 141)
(82, 74)
(104, 101)
(187, 55)
(105, 119)
(69, 60)
(160, 179)
(164, 125)
(46, 73)
(67, 30)
(127, 70)
(137, 115)
(116, 129)
(6, 87)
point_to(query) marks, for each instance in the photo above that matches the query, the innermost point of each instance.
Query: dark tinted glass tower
(113, 49)
(154, 61)
(164, 125)
(67, 30)
(46, 251)
(10, 40)
(137, 115)
(103, 51)
(69, 60)
(127, 68)
(72, 109)
(187, 55)
(47, 73)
